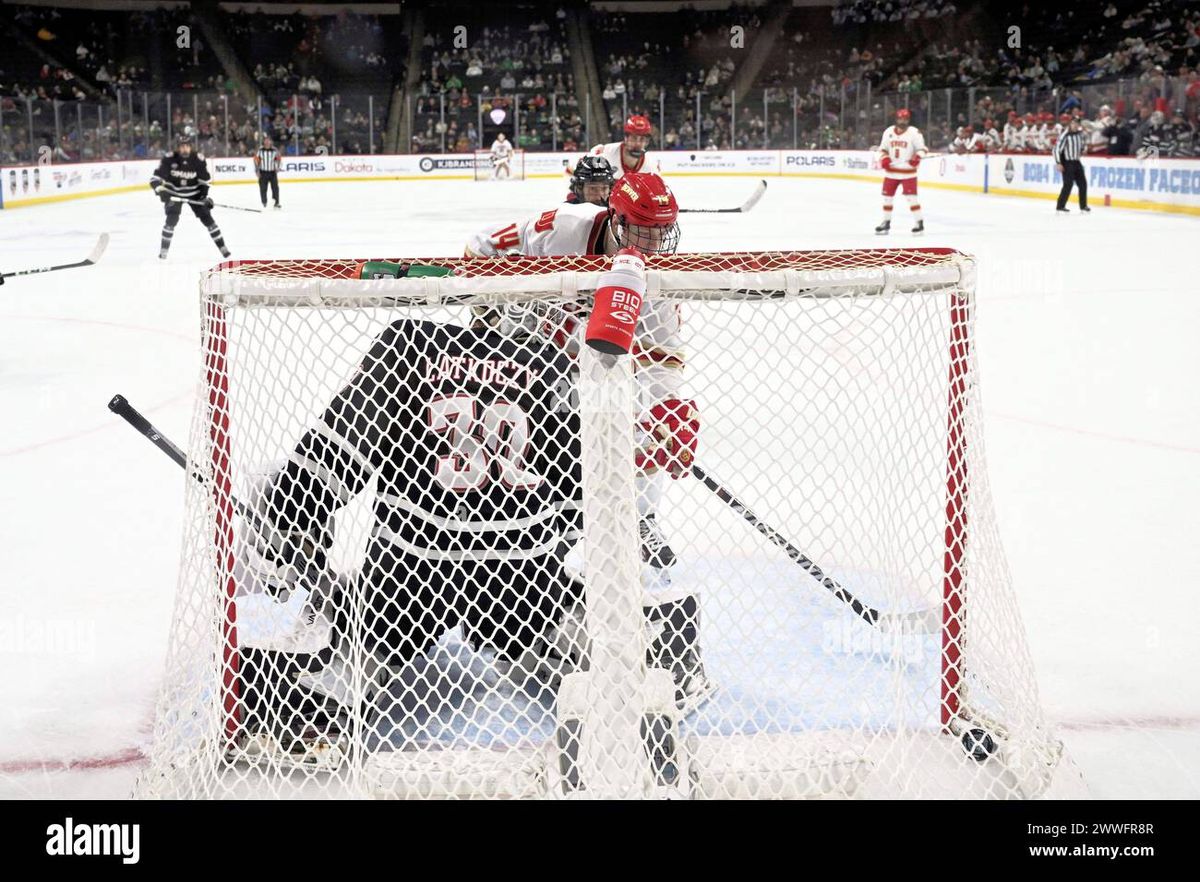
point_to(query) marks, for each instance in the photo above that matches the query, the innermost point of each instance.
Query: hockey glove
(164, 194)
(915, 161)
(885, 163)
(674, 427)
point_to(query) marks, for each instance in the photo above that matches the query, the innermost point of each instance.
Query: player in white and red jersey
(641, 213)
(1014, 133)
(900, 152)
(992, 142)
(1037, 139)
(502, 154)
(628, 156)
(968, 141)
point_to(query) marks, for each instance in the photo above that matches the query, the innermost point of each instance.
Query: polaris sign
(304, 165)
(810, 161)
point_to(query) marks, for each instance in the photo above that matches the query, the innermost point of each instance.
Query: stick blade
(755, 196)
(98, 251)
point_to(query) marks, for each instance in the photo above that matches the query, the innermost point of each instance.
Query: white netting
(442, 587)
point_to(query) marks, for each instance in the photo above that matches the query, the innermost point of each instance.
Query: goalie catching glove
(674, 428)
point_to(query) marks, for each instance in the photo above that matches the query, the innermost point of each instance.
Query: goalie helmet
(592, 170)
(643, 214)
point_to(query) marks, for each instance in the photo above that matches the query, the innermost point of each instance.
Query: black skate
(884, 228)
(919, 228)
(655, 550)
(675, 647)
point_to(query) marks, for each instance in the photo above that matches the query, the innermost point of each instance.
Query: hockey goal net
(488, 169)
(453, 599)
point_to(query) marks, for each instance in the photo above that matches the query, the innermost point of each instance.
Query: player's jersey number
(487, 443)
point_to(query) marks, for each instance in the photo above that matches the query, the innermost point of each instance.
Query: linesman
(1067, 153)
(266, 164)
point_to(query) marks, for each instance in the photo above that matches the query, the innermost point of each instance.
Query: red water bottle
(618, 304)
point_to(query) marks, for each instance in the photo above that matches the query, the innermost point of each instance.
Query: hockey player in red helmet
(627, 156)
(637, 135)
(900, 152)
(643, 214)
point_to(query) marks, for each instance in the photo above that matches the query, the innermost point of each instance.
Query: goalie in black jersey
(474, 443)
(472, 435)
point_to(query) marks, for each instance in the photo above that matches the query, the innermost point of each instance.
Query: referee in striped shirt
(266, 163)
(1067, 151)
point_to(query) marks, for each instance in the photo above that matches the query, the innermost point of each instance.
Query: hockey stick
(183, 201)
(924, 620)
(741, 209)
(126, 411)
(97, 251)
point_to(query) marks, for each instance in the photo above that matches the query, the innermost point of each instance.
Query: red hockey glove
(915, 161)
(675, 427)
(886, 162)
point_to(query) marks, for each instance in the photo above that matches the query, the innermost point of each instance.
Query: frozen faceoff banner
(1159, 184)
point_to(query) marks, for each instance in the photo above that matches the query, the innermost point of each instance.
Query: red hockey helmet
(1031, 117)
(1064, 117)
(638, 125)
(643, 214)
(904, 114)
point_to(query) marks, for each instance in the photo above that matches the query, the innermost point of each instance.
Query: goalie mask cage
(838, 400)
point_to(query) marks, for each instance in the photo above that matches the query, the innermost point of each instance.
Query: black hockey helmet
(591, 170)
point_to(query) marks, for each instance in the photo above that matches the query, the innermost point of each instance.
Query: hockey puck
(978, 744)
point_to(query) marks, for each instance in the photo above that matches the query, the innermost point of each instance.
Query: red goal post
(839, 395)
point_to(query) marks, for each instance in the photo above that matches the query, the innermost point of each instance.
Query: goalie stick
(920, 621)
(97, 251)
(183, 201)
(741, 209)
(126, 411)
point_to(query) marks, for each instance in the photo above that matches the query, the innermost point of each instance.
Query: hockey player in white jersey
(900, 152)
(642, 214)
(1014, 133)
(502, 154)
(968, 141)
(990, 137)
(628, 156)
